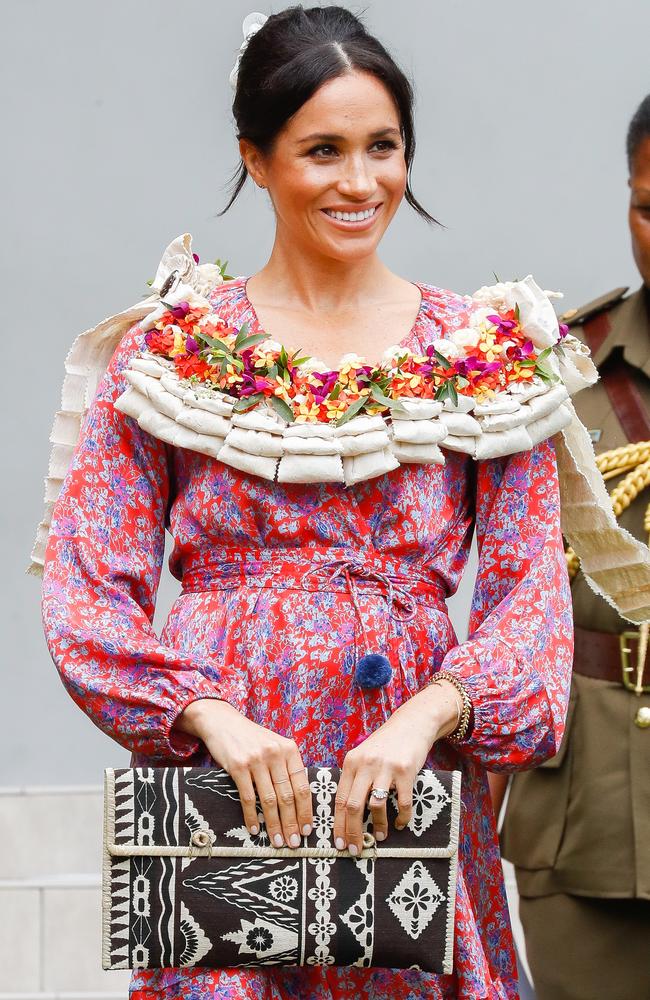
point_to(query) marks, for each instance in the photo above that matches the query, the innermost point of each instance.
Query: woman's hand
(255, 758)
(392, 757)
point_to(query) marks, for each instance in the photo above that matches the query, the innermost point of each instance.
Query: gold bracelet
(459, 732)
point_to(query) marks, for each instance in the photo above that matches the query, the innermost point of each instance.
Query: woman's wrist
(196, 718)
(465, 720)
(443, 708)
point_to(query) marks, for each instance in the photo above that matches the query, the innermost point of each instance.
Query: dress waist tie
(373, 670)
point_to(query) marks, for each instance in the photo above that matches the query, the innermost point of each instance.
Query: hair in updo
(293, 54)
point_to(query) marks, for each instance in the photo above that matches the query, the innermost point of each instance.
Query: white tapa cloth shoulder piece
(262, 443)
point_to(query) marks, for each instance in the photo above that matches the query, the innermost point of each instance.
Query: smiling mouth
(352, 217)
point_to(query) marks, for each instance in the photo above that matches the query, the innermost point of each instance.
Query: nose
(357, 180)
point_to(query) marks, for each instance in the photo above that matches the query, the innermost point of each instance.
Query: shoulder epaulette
(573, 317)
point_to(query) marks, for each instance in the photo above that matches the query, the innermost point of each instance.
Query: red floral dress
(257, 626)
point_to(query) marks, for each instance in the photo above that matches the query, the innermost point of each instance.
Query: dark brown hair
(293, 54)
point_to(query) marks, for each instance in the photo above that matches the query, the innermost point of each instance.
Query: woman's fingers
(286, 805)
(355, 791)
(248, 798)
(302, 794)
(346, 778)
(355, 808)
(404, 789)
(378, 809)
(269, 803)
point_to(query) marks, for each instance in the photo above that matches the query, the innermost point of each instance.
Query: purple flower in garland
(504, 326)
(191, 345)
(252, 384)
(467, 367)
(196, 258)
(521, 353)
(180, 310)
(564, 330)
(247, 358)
(327, 380)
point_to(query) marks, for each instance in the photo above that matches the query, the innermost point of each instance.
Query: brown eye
(318, 149)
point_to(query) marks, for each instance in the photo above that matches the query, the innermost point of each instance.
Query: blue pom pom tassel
(373, 671)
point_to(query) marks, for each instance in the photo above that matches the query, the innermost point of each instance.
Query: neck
(316, 283)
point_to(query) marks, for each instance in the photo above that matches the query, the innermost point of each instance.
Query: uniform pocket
(537, 806)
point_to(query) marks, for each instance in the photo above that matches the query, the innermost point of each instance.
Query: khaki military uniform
(577, 828)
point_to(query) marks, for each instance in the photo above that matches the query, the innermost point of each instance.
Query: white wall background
(117, 137)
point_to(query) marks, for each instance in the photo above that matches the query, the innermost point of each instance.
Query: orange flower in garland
(160, 341)
(191, 364)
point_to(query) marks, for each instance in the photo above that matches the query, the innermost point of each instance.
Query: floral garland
(494, 352)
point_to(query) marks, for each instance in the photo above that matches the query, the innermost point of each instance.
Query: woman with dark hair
(284, 578)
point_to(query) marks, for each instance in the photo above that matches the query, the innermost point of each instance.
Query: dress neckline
(405, 342)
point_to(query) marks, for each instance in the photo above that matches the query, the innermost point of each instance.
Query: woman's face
(342, 152)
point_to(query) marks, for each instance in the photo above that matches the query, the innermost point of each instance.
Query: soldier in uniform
(577, 828)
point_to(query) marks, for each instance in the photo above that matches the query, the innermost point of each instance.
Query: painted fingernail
(306, 830)
(255, 830)
(294, 840)
(353, 849)
(278, 841)
(380, 835)
(340, 844)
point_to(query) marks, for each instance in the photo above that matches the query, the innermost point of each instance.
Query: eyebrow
(331, 137)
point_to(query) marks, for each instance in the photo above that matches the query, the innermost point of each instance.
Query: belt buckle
(628, 671)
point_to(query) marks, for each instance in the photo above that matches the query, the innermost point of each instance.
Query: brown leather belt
(598, 654)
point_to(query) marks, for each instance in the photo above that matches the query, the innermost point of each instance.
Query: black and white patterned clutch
(185, 883)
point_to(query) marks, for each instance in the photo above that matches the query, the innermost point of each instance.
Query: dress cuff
(174, 742)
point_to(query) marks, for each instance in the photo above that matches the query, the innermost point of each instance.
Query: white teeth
(351, 216)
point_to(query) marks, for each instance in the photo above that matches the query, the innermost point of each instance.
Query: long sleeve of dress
(516, 663)
(101, 576)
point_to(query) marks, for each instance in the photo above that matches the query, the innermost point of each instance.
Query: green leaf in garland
(444, 362)
(241, 335)
(222, 268)
(453, 394)
(443, 392)
(300, 361)
(282, 408)
(352, 411)
(545, 373)
(336, 390)
(255, 338)
(248, 402)
(381, 397)
(212, 342)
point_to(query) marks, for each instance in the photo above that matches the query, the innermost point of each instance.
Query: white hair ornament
(250, 25)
